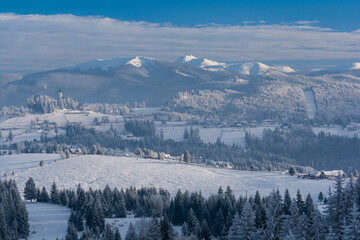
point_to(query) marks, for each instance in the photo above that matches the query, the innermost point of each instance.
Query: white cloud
(43, 42)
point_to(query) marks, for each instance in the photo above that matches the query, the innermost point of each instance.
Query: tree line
(220, 216)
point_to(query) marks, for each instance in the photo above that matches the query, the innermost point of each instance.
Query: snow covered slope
(204, 63)
(96, 171)
(258, 68)
(249, 68)
(47, 221)
(106, 65)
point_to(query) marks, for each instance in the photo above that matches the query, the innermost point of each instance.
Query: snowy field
(97, 171)
(47, 221)
(23, 162)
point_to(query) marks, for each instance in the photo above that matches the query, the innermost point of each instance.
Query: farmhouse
(326, 174)
(332, 174)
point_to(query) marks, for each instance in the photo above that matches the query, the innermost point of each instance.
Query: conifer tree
(187, 157)
(167, 231)
(71, 233)
(287, 203)
(193, 223)
(30, 189)
(131, 233)
(352, 230)
(205, 231)
(109, 234)
(11, 136)
(219, 223)
(54, 194)
(117, 234)
(235, 229)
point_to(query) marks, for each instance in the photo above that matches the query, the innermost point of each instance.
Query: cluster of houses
(326, 174)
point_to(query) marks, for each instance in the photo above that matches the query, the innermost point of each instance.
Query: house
(76, 151)
(315, 174)
(352, 127)
(332, 174)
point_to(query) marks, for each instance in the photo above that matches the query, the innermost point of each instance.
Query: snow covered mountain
(249, 68)
(203, 63)
(117, 80)
(106, 65)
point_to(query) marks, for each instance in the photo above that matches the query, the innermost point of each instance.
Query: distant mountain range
(117, 80)
(249, 68)
(138, 79)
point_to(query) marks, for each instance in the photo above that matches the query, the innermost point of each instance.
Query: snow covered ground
(24, 162)
(47, 221)
(97, 171)
(23, 129)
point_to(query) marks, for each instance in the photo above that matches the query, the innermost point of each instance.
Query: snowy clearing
(97, 171)
(47, 221)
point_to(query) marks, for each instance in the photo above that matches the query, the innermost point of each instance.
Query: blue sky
(44, 35)
(343, 15)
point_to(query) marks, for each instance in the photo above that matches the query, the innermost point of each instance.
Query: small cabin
(76, 151)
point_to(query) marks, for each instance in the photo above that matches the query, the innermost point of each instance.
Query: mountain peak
(356, 66)
(187, 58)
(204, 63)
(106, 65)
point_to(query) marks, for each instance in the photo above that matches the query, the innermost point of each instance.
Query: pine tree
(247, 226)
(71, 233)
(154, 230)
(193, 223)
(131, 233)
(187, 157)
(117, 234)
(22, 220)
(299, 201)
(205, 231)
(273, 211)
(235, 229)
(352, 230)
(109, 234)
(167, 231)
(219, 223)
(292, 171)
(321, 197)
(178, 209)
(30, 189)
(11, 136)
(4, 231)
(54, 194)
(93, 150)
(287, 203)
(185, 229)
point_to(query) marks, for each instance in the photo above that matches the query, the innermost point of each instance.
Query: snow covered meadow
(97, 171)
(47, 221)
